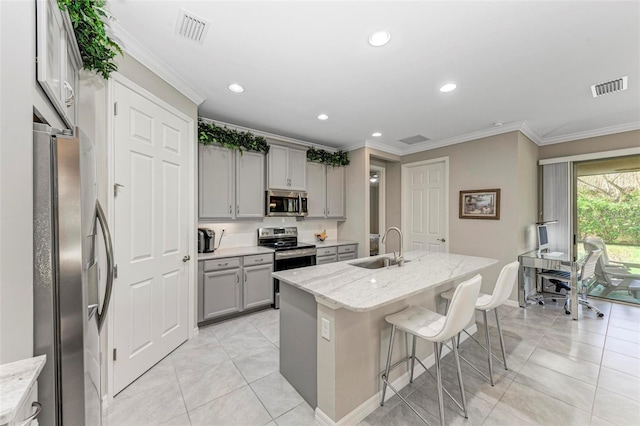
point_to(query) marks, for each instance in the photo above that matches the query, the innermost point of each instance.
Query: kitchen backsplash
(243, 234)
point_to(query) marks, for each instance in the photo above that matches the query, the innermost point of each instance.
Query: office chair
(586, 275)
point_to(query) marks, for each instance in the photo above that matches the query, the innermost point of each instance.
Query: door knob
(186, 258)
(442, 240)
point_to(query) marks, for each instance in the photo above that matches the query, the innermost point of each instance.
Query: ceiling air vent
(609, 87)
(192, 27)
(414, 139)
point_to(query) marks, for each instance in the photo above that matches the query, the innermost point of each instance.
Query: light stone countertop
(235, 251)
(331, 243)
(16, 380)
(342, 285)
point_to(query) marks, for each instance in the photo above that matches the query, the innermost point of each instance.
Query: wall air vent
(609, 87)
(192, 27)
(414, 139)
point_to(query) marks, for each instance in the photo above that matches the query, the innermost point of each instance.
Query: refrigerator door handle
(102, 314)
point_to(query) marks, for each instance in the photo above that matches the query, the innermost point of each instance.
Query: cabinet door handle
(237, 209)
(245, 276)
(38, 407)
(237, 277)
(230, 209)
(258, 260)
(223, 264)
(72, 96)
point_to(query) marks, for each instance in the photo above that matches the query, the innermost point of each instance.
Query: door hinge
(115, 108)
(115, 354)
(115, 271)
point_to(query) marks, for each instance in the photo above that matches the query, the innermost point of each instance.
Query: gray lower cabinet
(336, 253)
(231, 285)
(221, 293)
(321, 260)
(258, 285)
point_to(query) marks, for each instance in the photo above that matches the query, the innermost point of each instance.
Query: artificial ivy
(209, 133)
(96, 47)
(340, 158)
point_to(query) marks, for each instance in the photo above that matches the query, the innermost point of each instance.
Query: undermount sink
(382, 262)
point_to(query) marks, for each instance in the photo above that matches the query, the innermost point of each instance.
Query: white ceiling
(529, 64)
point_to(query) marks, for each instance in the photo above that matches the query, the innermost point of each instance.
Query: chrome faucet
(398, 259)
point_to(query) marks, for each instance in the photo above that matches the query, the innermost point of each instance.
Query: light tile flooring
(561, 372)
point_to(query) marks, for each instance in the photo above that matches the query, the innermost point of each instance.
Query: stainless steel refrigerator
(70, 301)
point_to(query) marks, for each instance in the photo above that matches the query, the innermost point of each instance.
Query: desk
(531, 262)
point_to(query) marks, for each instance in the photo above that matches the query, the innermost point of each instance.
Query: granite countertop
(16, 380)
(331, 243)
(235, 251)
(342, 285)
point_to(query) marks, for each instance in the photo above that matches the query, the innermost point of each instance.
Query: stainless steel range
(289, 253)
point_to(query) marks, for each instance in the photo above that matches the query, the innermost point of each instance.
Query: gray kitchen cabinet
(250, 185)
(221, 293)
(258, 285)
(325, 191)
(336, 192)
(346, 256)
(58, 60)
(230, 184)
(321, 260)
(316, 184)
(287, 168)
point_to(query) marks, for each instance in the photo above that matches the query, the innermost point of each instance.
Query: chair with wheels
(585, 277)
(435, 328)
(485, 303)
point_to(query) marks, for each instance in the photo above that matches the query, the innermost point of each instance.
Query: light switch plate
(325, 329)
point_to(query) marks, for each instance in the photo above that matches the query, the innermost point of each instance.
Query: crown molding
(129, 44)
(603, 131)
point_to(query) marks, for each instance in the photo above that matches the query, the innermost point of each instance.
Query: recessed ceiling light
(323, 117)
(379, 38)
(235, 87)
(448, 87)
(376, 134)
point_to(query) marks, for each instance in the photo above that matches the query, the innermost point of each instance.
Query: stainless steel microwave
(286, 203)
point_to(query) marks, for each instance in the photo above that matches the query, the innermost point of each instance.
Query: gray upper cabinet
(230, 184)
(287, 168)
(216, 183)
(58, 59)
(250, 185)
(336, 192)
(326, 191)
(316, 196)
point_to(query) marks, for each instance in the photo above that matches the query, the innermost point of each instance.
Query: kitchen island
(332, 328)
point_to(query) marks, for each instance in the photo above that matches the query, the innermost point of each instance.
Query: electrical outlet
(326, 329)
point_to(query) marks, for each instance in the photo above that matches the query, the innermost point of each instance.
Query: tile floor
(561, 372)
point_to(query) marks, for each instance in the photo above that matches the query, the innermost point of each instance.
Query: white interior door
(151, 233)
(425, 206)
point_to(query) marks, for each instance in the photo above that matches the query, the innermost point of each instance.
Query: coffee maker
(206, 240)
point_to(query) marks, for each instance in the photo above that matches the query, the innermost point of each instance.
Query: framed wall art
(480, 204)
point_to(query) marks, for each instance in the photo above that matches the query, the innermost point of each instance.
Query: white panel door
(250, 185)
(297, 169)
(425, 208)
(335, 192)
(151, 234)
(316, 196)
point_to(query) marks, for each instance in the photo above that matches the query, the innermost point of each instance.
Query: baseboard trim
(371, 404)
(512, 303)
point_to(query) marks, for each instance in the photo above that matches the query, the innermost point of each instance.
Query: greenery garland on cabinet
(96, 47)
(209, 134)
(334, 159)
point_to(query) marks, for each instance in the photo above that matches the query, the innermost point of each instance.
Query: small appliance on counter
(206, 240)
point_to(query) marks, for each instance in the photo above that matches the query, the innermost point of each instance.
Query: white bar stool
(504, 285)
(436, 328)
